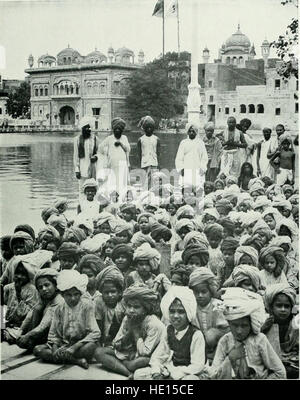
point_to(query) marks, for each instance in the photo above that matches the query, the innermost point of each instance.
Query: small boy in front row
(181, 351)
(74, 332)
(245, 352)
(139, 334)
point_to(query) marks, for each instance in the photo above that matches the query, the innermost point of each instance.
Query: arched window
(228, 60)
(0, 110)
(241, 60)
(69, 60)
(226, 110)
(260, 109)
(251, 109)
(36, 92)
(65, 60)
(72, 89)
(67, 89)
(234, 61)
(41, 92)
(243, 109)
(77, 89)
(46, 91)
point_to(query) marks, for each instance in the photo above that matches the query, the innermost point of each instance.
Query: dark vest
(182, 347)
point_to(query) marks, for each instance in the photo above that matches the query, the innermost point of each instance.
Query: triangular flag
(172, 9)
(158, 9)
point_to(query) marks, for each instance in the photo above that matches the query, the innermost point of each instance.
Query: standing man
(148, 148)
(234, 144)
(115, 149)
(85, 150)
(191, 159)
(267, 146)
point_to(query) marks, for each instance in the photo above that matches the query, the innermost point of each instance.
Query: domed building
(68, 56)
(70, 86)
(237, 49)
(46, 61)
(242, 85)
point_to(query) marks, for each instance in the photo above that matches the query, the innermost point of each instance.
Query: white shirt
(149, 151)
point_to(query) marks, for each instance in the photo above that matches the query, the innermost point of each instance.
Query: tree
(18, 103)
(286, 46)
(156, 89)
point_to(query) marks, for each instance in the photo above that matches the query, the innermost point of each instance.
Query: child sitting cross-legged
(109, 307)
(209, 318)
(181, 351)
(245, 352)
(35, 328)
(74, 332)
(281, 327)
(138, 336)
(20, 296)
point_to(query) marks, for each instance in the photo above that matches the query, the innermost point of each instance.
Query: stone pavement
(18, 364)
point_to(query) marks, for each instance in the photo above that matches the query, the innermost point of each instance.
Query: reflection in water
(36, 169)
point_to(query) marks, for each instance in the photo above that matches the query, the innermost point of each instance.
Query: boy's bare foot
(83, 363)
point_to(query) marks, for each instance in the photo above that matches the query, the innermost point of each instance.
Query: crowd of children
(165, 283)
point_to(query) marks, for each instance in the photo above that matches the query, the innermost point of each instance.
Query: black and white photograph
(149, 191)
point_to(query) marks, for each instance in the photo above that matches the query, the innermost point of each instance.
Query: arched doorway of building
(67, 116)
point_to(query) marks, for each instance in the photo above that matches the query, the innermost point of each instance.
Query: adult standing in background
(115, 151)
(213, 147)
(191, 158)
(234, 144)
(85, 150)
(148, 148)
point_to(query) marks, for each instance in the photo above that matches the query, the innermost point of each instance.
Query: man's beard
(136, 321)
(117, 135)
(86, 135)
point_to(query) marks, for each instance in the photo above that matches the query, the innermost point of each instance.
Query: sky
(47, 26)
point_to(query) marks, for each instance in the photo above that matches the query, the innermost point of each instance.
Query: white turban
(239, 303)
(86, 120)
(145, 251)
(67, 279)
(187, 298)
(94, 244)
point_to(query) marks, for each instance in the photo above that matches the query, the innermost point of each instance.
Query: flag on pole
(158, 9)
(172, 9)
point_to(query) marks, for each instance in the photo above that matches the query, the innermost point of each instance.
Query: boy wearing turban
(281, 327)
(209, 318)
(74, 332)
(148, 147)
(115, 149)
(138, 336)
(245, 352)
(181, 351)
(286, 156)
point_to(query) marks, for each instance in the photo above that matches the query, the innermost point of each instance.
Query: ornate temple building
(239, 84)
(69, 86)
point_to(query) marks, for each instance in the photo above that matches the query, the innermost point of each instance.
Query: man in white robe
(191, 159)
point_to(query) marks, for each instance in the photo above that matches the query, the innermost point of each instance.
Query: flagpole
(178, 28)
(163, 26)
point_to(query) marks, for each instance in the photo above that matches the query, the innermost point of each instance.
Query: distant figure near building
(191, 159)
(148, 148)
(233, 142)
(114, 151)
(85, 150)
(213, 147)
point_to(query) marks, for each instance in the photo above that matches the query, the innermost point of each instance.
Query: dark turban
(4, 243)
(112, 274)
(25, 228)
(28, 241)
(144, 294)
(180, 274)
(159, 231)
(228, 224)
(118, 123)
(223, 206)
(93, 262)
(47, 212)
(48, 230)
(204, 276)
(229, 243)
(213, 230)
(122, 249)
(69, 249)
(129, 208)
(199, 250)
(74, 234)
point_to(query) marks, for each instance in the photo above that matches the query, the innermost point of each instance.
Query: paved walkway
(18, 364)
